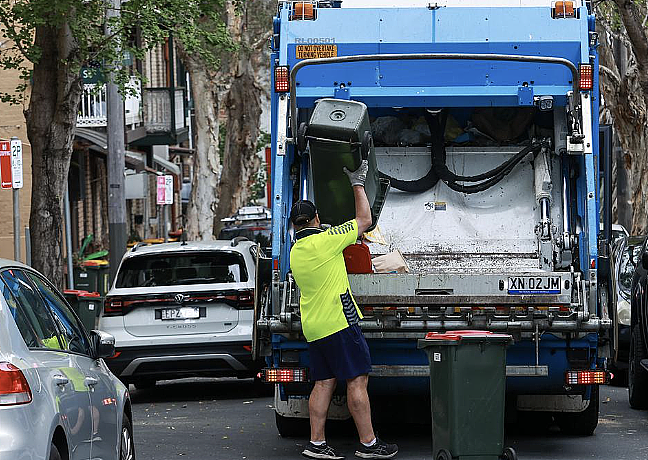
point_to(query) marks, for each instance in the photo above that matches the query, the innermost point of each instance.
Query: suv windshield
(177, 269)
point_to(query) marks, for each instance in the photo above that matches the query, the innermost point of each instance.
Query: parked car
(638, 358)
(625, 256)
(618, 231)
(58, 400)
(182, 309)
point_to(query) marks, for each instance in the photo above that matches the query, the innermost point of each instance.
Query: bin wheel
(443, 454)
(509, 454)
(301, 136)
(367, 143)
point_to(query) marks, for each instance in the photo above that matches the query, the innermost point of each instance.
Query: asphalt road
(228, 419)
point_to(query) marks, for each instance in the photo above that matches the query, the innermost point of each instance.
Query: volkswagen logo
(179, 298)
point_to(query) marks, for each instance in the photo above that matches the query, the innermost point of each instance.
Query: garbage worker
(330, 321)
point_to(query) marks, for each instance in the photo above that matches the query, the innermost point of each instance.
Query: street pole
(165, 222)
(16, 223)
(27, 246)
(68, 238)
(116, 158)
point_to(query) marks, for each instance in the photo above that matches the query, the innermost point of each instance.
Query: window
(31, 304)
(181, 269)
(74, 339)
(18, 314)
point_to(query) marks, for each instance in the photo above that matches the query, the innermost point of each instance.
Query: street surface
(227, 419)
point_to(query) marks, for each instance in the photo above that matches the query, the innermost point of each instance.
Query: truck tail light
(303, 11)
(282, 79)
(586, 78)
(587, 377)
(113, 306)
(14, 388)
(284, 375)
(564, 9)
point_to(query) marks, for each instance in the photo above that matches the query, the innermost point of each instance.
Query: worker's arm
(363, 212)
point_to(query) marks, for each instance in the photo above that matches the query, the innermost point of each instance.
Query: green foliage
(142, 24)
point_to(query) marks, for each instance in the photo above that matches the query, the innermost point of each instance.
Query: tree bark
(207, 166)
(51, 120)
(242, 105)
(624, 91)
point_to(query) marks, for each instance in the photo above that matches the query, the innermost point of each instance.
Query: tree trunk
(242, 104)
(240, 159)
(51, 120)
(629, 109)
(624, 104)
(206, 161)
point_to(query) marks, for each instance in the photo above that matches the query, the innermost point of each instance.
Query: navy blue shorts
(343, 355)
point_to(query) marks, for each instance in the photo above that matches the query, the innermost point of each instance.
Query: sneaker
(324, 451)
(379, 450)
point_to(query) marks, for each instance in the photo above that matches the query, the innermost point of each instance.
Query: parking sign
(16, 163)
(5, 164)
(165, 189)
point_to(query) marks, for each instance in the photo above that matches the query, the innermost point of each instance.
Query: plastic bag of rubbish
(411, 137)
(386, 130)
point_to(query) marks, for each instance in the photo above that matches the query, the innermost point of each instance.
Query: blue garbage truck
(491, 200)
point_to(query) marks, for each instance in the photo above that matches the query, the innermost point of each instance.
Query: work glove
(359, 176)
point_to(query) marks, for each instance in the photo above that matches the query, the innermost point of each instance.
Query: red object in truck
(358, 258)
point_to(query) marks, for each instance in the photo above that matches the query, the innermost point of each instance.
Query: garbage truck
(489, 185)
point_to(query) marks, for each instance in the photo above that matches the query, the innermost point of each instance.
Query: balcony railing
(92, 109)
(164, 110)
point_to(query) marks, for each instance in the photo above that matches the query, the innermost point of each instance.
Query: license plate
(534, 285)
(180, 313)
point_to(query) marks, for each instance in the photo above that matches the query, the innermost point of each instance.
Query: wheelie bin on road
(467, 391)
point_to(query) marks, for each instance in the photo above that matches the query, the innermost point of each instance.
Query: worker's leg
(359, 406)
(318, 404)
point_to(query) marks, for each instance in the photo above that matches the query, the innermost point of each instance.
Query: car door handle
(60, 380)
(91, 381)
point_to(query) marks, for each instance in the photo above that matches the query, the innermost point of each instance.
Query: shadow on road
(198, 389)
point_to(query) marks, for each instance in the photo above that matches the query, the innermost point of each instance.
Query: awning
(99, 142)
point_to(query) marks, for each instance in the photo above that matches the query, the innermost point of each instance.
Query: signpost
(11, 175)
(165, 197)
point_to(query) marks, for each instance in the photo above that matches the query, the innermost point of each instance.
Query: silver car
(58, 400)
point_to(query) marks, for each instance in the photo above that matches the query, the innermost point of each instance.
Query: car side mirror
(102, 343)
(644, 260)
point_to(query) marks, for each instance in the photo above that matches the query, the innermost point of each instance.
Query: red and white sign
(165, 189)
(5, 164)
(16, 163)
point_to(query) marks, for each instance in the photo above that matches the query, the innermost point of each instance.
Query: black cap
(302, 212)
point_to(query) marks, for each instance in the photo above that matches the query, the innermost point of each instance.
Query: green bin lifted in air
(467, 391)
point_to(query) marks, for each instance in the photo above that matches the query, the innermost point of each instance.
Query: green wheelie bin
(467, 391)
(85, 304)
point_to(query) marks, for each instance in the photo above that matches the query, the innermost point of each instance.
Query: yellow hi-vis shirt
(317, 264)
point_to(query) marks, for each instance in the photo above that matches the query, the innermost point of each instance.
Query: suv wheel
(637, 375)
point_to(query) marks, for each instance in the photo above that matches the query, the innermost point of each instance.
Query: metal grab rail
(422, 56)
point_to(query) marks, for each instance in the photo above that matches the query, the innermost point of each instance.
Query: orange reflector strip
(282, 79)
(586, 78)
(587, 377)
(284, 375)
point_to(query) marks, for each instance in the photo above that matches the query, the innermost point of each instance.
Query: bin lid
(467, 335)
(80, 293)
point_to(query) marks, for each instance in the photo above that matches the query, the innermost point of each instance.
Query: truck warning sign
(316, 51)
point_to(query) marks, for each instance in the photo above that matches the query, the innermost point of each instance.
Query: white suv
(182, 309)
